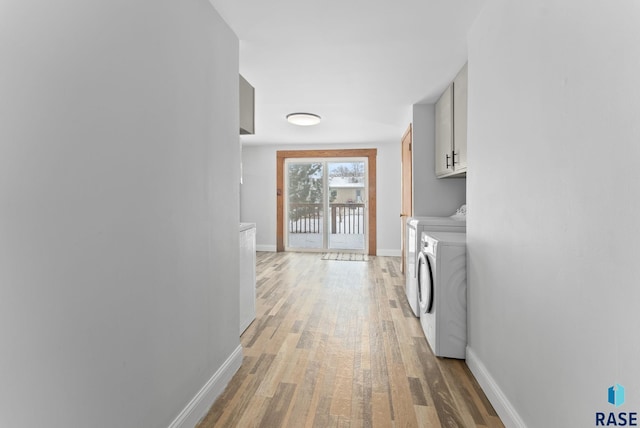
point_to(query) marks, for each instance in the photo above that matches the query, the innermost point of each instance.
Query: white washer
(415, 227)
(442, 280)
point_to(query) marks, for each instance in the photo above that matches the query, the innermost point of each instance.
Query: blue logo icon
(616, 395)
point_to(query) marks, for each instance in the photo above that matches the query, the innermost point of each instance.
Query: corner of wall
(200, 404)
(500, 402)
(432, 196)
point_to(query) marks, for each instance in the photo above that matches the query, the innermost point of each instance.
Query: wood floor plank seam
(335, 344)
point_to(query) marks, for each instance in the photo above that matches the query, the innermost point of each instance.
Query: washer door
(425, 284)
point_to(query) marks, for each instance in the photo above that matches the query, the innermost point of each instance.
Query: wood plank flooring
(335, 344)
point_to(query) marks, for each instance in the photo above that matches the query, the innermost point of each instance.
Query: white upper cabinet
(451, 129)
(444, 133)
(460, 121)
(247, 107)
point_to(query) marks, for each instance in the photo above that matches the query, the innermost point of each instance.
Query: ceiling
(359, 64)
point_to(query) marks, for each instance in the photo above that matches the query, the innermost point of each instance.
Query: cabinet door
(460, 121)
(444, 133)
(247, 107)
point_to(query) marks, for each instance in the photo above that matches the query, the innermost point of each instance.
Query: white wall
(258, 192)
(432, 196)
(553, 231)
(118, 226)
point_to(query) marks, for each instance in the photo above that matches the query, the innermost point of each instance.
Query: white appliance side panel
(445, 224)
(451, 311)
(449, 238)
(411, 278)
(460, 228)
(412, 256)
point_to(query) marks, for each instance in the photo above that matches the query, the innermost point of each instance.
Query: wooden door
(406, 209)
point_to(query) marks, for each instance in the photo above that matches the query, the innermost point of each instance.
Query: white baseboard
(246, 323)
(269, 248)
(379, 252)
(388, 253)
(200, 404)
(501, 404)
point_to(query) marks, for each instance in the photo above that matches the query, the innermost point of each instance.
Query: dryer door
(425, 284)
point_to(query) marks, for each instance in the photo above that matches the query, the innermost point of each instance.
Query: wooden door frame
(406, 190)
(370, 154)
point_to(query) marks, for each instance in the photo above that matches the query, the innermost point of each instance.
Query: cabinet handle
(453, 159)
(447, 166)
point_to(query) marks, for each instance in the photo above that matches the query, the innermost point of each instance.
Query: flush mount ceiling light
(303, 119)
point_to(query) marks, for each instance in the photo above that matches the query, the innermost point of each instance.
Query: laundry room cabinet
(444, 133)
(247, 108)
(451, 129)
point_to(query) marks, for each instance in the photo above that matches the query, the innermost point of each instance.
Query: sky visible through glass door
(326, 212)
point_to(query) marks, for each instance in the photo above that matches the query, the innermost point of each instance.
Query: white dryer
(415, 227)
(442, 281)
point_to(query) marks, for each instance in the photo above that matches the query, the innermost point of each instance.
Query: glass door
(305, 204)
(347, 204)
(326, 204)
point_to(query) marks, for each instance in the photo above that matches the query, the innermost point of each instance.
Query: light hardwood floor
(335, 344)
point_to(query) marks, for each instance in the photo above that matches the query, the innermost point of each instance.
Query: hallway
(335, 344)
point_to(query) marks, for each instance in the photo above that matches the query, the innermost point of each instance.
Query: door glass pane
(347, 197)
(305, 219)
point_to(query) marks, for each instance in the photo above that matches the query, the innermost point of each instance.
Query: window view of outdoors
(335, 205)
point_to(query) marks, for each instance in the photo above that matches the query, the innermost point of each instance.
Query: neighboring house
(348, 190)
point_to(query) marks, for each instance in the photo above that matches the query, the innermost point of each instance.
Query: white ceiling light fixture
(303, 119)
